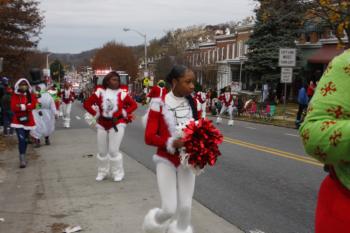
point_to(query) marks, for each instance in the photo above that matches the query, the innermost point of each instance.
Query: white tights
(229, 109)
(66, 109)
(108, 141)
(176, 187)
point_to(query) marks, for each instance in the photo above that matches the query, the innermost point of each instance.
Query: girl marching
(22, 104)
(227, 101)
(107, 104)
(68, 98)
(176, 182)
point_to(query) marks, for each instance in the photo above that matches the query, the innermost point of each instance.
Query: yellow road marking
(273, 151)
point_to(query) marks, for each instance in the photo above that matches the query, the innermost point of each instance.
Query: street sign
(286, 75)
(287, 57)
(146, 82)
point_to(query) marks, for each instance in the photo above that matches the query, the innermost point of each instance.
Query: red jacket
(118, 114)
(226, 101)
(22, 109)
(71, 96)
(160, 131)
(201, 97)
(157, 92)
(129, 106)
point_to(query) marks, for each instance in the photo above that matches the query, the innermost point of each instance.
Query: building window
(222, 53)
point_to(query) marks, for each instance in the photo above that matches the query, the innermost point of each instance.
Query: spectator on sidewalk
(22, 104)
(326, 136)
(175, 181)
(5, 102)
(303, 101)
(310, 90)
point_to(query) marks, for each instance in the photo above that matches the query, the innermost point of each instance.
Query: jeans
(7, 124)
(22, 140)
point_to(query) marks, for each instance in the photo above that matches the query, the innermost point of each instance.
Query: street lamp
(145, 37)
(47, 60)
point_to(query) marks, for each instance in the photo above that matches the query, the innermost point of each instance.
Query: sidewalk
(58, 189)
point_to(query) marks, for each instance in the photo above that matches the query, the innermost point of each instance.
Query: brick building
(220, 62)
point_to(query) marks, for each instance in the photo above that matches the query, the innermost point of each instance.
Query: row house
(220, 62)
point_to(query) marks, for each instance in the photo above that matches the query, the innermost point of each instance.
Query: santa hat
(155, 92)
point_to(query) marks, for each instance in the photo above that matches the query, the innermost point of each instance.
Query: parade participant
(175, 181)
(45, 112)
(55, 94)
(325, 134)
(227, 101)
(158, 91)
(22, 104)
(68, 97)
(110, 115)
(201, 97)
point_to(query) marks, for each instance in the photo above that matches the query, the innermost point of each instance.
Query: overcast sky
(74, 26)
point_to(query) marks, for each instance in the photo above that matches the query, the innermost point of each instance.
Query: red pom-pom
(201, 141)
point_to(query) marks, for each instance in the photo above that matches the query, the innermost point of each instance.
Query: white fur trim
(158, 159)
(155, 104)
(123, 94)
(174, 229)
(151, 226)
(23, 107)
(112, 97)
(19, 126)
(169, 145)
(17, 85)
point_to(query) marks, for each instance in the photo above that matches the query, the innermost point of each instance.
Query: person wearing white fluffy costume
(227, 102)
(111, 123)
(68, 98)
(176, 182)
(44, 115)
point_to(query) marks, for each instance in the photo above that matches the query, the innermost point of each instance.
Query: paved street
(263, 182)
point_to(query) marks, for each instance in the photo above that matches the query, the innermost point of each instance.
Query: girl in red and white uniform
(106, 105)
(22, 104)
(227, 102)
(202, 101)
(166, 118)
(68, 97)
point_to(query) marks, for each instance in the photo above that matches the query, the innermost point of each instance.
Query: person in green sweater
(326, 136)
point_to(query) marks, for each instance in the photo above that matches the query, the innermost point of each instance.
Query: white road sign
(286, 75)
(287, 57)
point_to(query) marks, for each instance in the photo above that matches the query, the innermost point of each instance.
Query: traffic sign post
(287, 60)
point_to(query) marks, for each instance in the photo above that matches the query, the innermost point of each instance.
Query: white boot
(102, 167)
(150, 224)
(230, 122)
(117, 168)
(218, 120)
(173, 228)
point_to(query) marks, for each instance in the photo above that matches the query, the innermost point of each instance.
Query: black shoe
(47, 141)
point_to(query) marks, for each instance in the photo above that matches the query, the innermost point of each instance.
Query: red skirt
(333, 207)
